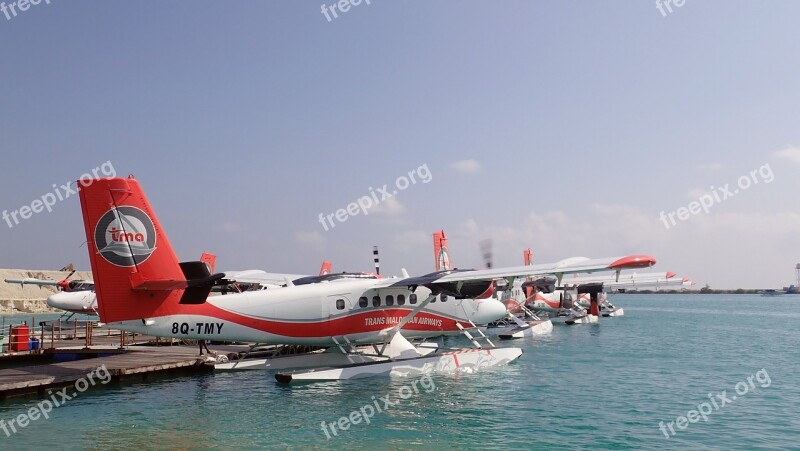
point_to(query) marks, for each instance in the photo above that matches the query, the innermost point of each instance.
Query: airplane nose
(54, 301)
(489, 310)
(69, 301)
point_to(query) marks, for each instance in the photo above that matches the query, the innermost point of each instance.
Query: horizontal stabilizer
(197, 284)
(170, 285)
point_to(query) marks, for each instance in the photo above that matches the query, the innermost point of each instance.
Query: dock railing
(48, 335)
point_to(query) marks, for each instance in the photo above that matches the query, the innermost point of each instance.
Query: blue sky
(562, 126)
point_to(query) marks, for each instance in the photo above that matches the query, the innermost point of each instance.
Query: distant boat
(772, 293)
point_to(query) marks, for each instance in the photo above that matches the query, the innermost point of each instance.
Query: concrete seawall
(17, 298)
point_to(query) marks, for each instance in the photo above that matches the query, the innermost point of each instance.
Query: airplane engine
(489, 293)
(594, 290)
(481, 289)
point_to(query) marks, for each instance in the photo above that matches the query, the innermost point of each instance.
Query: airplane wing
(557, 269)
(635, 277)
(259, 276)
(637, 284)
(472, 283)
(33, 281)
(631, 281)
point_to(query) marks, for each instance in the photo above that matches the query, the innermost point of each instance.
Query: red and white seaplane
(78, 296)
(519, 321)
(457, 316)
(73, 296)
(633, 281)
(142, 287)
(570, 299)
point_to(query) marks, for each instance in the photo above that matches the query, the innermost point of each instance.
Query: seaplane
(547, 298)
(142, 287)
(457, 316)
(632, 281)
(534, 303)
(73, 296)
(565, 300)
(78, 296)
(511, 325)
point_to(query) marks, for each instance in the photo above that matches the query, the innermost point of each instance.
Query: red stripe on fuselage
(368, 320)
(554, 304)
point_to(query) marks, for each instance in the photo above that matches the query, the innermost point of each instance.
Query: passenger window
(401, 299)
(412, 298)
(340, 304)
(363, 301)
(389, 299)
(376, 301)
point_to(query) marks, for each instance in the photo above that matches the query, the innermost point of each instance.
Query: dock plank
(142, 360)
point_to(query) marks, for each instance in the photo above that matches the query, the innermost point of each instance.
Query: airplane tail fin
(136, 273)
(527, 255)
(325, 268)
(209, 259)
(440, 253)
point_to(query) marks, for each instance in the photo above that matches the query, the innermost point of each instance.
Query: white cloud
(467, 166)
(712, 167)
(791, 153)
(313, 238)
(231, 227)
(415, 240)
(389, 207)
(696, 193)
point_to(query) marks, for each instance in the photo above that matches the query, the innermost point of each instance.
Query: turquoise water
(606, 386)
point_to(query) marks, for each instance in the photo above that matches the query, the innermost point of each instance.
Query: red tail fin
(325, 268)
(527, 254)
(440, 253)
(209, 259)
(136, 272)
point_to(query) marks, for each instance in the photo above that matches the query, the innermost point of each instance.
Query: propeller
(64, 284)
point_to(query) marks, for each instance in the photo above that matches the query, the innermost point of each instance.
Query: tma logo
(125, 236)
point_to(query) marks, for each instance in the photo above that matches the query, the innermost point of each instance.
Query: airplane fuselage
(553, 303)
(314, 314)
(74, 301)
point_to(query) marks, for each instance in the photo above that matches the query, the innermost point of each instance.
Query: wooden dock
(136, 361)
